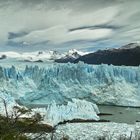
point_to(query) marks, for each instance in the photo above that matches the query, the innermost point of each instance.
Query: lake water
(120, 114)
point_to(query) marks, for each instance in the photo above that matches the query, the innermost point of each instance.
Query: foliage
(9, 126)
(14, 126)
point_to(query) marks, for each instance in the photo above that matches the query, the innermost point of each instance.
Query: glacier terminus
(65, 85)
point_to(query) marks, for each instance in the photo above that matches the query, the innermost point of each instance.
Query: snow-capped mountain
(32, 56)
(130, 46)
(70, 56)
(41, 55)
(75, 53)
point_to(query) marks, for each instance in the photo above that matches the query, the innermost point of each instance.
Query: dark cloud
(12, 35)
(106, 26)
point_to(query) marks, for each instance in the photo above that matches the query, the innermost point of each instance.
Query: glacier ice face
(102, 84)
(76, 109)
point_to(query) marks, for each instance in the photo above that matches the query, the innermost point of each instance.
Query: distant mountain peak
(41, 56)
(130, 46)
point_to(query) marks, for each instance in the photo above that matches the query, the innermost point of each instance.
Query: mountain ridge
(128, 55)
(42, 56)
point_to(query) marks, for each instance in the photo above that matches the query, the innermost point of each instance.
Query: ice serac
(75, 109)
(102, 84)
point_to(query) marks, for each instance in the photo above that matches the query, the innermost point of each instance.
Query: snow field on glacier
(93, 131)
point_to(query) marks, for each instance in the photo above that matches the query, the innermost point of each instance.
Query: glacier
(62, 92)
(75, 109)
(93, 131)
(100, 84)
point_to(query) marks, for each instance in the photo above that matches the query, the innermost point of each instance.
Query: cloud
(60, 22)
(16, 35)
(58, 30)
(60, 34)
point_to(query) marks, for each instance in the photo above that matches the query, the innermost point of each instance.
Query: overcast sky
(29, 25)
